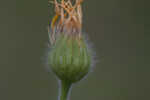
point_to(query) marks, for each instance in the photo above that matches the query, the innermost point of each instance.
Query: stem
(65, 87)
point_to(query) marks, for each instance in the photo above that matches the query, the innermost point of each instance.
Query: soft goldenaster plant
(69, 57)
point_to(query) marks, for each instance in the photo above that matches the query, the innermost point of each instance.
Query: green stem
(65, 87)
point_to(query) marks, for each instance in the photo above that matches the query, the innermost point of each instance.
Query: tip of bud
(67, 19)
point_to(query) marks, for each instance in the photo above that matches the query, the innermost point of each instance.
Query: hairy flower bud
(70, 58)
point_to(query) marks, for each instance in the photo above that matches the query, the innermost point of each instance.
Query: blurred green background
(118, 29)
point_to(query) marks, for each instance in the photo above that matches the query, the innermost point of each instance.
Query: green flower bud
(70, 58)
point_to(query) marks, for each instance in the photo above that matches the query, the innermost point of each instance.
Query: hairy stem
(65, 88)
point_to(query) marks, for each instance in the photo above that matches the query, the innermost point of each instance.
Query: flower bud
(70, 58)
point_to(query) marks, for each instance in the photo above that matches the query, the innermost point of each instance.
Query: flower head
(67, 19)
(69, 58)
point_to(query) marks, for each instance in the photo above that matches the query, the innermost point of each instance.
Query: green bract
(69, 58)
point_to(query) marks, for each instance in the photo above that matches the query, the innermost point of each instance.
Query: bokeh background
(118, 29)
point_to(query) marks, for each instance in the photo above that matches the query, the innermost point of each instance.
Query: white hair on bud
(92, 51)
